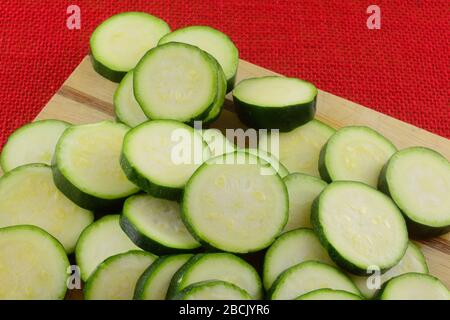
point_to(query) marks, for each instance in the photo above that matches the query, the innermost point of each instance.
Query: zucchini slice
(28, 195)
(412, 261)
(155, 225)
(86, 165)
(35, 142)
(359, 226)
(154, 282)
(176, 81)
(299, 149)
(212, 290)
(356, 154)
(119, 42)
(329, 294)
(212, 41)
(309, 276)
(217, 142)
(418, 180)
(275, 102)
(302, 190)
(116, 277)
(126, 108)
(235, 203)
(101, 240)
(217, 266)
(161, 155)
(33, 265)
(414, 286)
(289, 249)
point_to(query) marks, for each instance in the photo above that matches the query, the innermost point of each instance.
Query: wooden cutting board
(87, 97)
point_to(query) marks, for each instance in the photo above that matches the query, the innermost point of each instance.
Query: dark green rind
(104, 264)
(415, 229)
(104, 71)
(200, 116)
(183, 294)
(153, 268)
(216, 109)
(145, 242)
(282, 118)
(145, 184)
(314, 292)
(281, 277)
(332, 252)
(231, 83)
(324, 174)
(177, 279)
(80, 198)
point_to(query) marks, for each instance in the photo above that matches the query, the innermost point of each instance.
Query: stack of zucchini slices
(153, 208)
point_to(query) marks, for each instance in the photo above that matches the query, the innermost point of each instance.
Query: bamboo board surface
(86, 97)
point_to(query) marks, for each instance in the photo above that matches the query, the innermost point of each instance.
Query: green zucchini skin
(146, 185)
(112, 75)
(282, 118)
(324, 174)
(416, 230)
(145, 242)
(141, 284)
(82, 199)
(209, 283)
(172, 291)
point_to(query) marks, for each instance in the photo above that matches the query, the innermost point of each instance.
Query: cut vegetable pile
(154, 207)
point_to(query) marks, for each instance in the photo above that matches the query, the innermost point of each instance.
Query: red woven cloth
(402, 70)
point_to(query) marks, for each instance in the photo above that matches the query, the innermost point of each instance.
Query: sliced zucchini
(160, 156)
(302, 190)
(33, 143)
(412, 261)
(359, 226)
(28, 196)
(217, 142)
(299, 149)
(309, 276)
(154, 282)
(101, 240)
(415, 286)
(418, 180)
(126, 108)
(235, 203)
(356, 154)
(176, 81)
(119, 42)
(289, 249)
(329, 294)
(116, 277)
(212, 290)
(33, 265)
(86, 165)
(276, 165)
(275, 102)
(217, 266)
(155, 225)
(212, 41)
(219, 100)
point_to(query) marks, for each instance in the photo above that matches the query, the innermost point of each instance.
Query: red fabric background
(402, 70)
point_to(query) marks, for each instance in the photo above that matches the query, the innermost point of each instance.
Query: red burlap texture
(402, 70)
